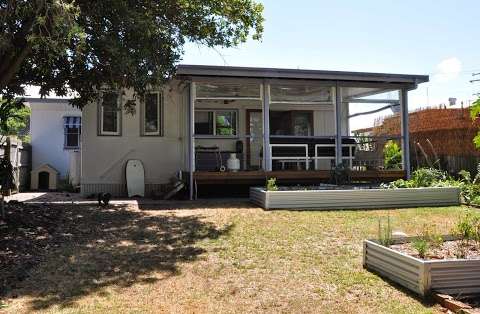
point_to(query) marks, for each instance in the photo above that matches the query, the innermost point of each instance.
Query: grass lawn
(218, 257)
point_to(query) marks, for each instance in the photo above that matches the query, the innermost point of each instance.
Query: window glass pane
(110, 101)
(226, 123)
(208, 90)
(110, 112)
(291, 123)
(302, 124)
(300, 93)
(151, 113)
(204, 122)
(72, 137)
(109, 121)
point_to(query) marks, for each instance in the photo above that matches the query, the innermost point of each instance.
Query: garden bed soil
(447, 250)
(324, 186)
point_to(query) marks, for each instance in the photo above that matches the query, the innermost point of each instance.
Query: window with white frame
(72, 132)
(216, 122)
(110, 114)
(152, 115)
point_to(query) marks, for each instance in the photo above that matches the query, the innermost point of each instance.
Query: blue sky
(438, 38)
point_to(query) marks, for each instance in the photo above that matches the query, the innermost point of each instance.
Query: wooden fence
(21, 159)
(450, 164)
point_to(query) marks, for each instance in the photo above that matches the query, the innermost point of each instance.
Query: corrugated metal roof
(230, 71)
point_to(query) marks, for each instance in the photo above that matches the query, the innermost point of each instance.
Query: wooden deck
(259, 177)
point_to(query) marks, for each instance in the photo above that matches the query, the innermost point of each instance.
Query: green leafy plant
(385, 236)
(421, 245)
(392, 155)
(272, 184)
(434, 239)
(65, 185)
(474, 113)
(465, 176)
(423, 177)
(341, 174)
(465, 228)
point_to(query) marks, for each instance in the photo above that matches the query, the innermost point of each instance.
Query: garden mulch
(447, 250)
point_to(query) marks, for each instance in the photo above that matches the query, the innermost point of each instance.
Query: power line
(475, 80)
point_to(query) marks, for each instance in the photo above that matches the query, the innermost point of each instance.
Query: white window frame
(160, 110)
(214, 111)
(119, 115)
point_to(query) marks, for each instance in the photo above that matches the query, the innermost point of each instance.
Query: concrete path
(76, 198)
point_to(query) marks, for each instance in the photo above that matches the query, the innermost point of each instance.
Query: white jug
(233, 163)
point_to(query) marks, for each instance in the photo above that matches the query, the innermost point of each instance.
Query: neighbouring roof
(272, 73)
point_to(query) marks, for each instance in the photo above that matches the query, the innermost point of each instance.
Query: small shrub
(467, 229)
(470, 192)
(436, 241)
(385, 236)
(464, 229)
(421, 245)
(433, 239)
(423, 177)
(65, 185)
(272, 184)
(465, 176)
(475, 200)
(392, 155)
(340, 174)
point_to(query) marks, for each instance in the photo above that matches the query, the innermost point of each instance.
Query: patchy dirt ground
(200, 257)
(26, 234)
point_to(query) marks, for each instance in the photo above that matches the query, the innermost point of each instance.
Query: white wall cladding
(47, 130)
(453, 277)
(355, 199)
(104, 157)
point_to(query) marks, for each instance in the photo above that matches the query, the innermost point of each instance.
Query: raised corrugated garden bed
(429, 262)
(452, 276)
(354, 198)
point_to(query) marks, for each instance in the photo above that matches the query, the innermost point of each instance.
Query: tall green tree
(78, 46)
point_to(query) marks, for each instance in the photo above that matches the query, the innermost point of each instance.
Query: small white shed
(44, 178)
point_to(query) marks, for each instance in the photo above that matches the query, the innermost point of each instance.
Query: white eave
(273, 73)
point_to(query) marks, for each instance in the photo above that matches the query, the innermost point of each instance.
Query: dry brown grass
(221, 258)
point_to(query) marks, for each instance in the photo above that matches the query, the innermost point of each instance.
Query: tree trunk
(2, 207)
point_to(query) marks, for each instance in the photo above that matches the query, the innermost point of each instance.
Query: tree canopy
(79, 46)
(14, 118)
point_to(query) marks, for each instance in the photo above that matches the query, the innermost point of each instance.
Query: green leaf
(475, 109)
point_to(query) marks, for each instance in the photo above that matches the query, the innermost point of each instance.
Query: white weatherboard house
(221, 125)
(55, 129)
